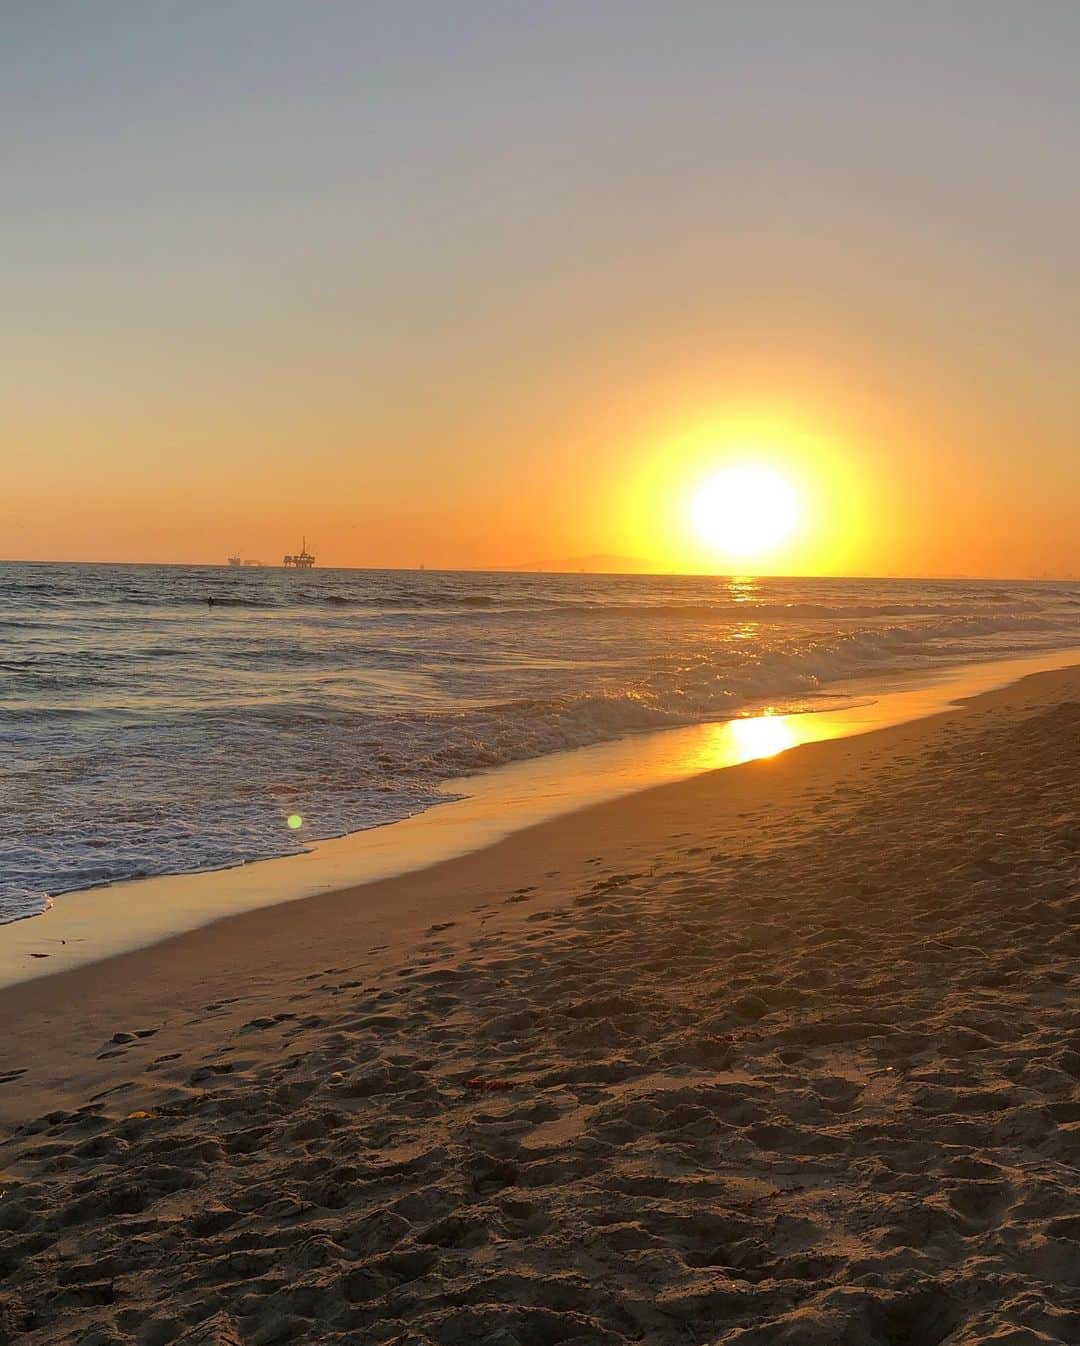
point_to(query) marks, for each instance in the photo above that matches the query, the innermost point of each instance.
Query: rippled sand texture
(816, 1090)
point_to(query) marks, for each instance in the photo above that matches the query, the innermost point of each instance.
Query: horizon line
(1063, 578)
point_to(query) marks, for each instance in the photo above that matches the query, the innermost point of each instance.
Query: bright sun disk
(744, 511)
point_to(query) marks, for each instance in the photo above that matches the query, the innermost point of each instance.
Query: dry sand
(789, 1053)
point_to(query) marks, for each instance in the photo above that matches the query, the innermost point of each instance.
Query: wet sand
(788, 1052)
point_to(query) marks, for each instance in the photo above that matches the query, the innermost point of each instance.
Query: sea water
(146, 731)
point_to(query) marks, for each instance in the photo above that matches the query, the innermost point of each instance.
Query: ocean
(147, 732)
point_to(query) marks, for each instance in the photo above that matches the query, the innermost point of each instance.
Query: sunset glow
(374, 277)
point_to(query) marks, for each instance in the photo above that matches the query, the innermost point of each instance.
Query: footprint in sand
(125, 1036)
(162, 1060)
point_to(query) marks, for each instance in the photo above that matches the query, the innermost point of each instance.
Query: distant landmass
(599, 563)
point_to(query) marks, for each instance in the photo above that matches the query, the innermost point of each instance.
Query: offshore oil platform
(303, 560)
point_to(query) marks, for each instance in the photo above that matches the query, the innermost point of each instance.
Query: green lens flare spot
(294, 821)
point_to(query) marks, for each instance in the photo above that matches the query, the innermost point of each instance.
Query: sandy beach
(785, 1053)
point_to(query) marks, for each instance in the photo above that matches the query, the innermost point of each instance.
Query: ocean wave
(404, 599)
(708, 688)
(717, 610)
(144, 735)
(777, 612)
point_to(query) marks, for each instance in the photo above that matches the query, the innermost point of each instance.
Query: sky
(501, 281)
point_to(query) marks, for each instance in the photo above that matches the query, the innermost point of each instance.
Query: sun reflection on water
(743, 588)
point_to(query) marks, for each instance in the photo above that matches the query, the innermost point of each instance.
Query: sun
(744, 511)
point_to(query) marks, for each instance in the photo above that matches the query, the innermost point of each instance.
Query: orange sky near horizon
(879, 493)
(499, 292)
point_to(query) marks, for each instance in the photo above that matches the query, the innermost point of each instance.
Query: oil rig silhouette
(303, 560)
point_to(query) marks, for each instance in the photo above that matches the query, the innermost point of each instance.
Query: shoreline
(380, 919)
(782, 1051)
(83, 927)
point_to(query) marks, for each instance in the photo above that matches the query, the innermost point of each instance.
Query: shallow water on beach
(146, 732)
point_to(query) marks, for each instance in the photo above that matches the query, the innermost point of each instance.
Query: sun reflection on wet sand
(748, 738)
(763, 736)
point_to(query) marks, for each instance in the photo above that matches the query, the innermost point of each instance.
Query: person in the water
(210, 601)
